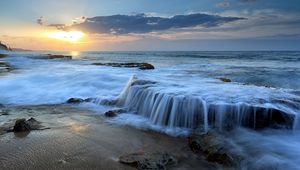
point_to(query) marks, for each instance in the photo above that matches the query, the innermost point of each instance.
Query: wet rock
(23, 125)
(110, 114)
(142, 66)
(216, 149)
(3, 112)
(54, 56)
(148, 161)
(226, 80)
(146, 66)
(4, 67)
(113, 113)
(3, 55)
(75, 100)
(4, 47)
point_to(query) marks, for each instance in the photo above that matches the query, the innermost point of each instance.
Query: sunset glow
(72, 36)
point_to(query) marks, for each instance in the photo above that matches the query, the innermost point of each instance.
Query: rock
(142, 66)
(110, 114)
(75, 100)
(54, 56)
(4, 67)
(226, 80)
(3, 55)
(23, 125)
(148, 161)
(113, 113)
(146, 66)
(215, 149)
(4, 112)
(4, 47)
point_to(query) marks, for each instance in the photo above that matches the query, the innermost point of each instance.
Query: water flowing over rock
(194, 112)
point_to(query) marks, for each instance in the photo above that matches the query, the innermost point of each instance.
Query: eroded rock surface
(216, 149)
(148, 161)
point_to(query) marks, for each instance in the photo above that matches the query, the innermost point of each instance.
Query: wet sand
(81, 139)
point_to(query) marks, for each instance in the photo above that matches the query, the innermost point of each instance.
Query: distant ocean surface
(185, 92)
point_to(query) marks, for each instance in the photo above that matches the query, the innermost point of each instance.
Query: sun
(69, 36)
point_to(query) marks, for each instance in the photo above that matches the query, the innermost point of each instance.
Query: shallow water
(188, 89)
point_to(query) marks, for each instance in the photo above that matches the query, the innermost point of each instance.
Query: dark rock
(142, 66)
(4, 112)
(146, 66)
(22, 125)
(215, 148)
(148, 161)
(54, 56)
(4, 67)
(110, 114)
(75, 100)
(3, 55)
(226, 80)
(4, 47)
(113, 113)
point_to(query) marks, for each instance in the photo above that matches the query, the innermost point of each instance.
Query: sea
(252, 97)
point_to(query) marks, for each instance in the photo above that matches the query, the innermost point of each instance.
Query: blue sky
(273, 24)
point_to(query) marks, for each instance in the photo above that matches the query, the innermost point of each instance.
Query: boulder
(215, 148)
(142, 66)
(23, 125)
(148, 161)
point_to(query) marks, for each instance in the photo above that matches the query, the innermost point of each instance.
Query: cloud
(141, 23)
(40, 20)
(248, 0)
(58, 26)
(223, 4)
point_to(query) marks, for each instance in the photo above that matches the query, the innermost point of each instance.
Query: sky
(147, 25)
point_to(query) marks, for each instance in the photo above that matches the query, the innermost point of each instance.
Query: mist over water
(181, 94)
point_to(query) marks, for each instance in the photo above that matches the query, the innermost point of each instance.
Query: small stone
(75, 100)
(226, 80)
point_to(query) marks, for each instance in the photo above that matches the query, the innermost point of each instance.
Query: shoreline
(80, 139)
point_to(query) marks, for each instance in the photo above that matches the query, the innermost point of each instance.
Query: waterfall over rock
(188, 111)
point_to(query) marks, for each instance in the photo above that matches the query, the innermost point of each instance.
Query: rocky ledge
(142, 66)
(54, 56)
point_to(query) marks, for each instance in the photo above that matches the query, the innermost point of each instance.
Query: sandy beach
(79, 139)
